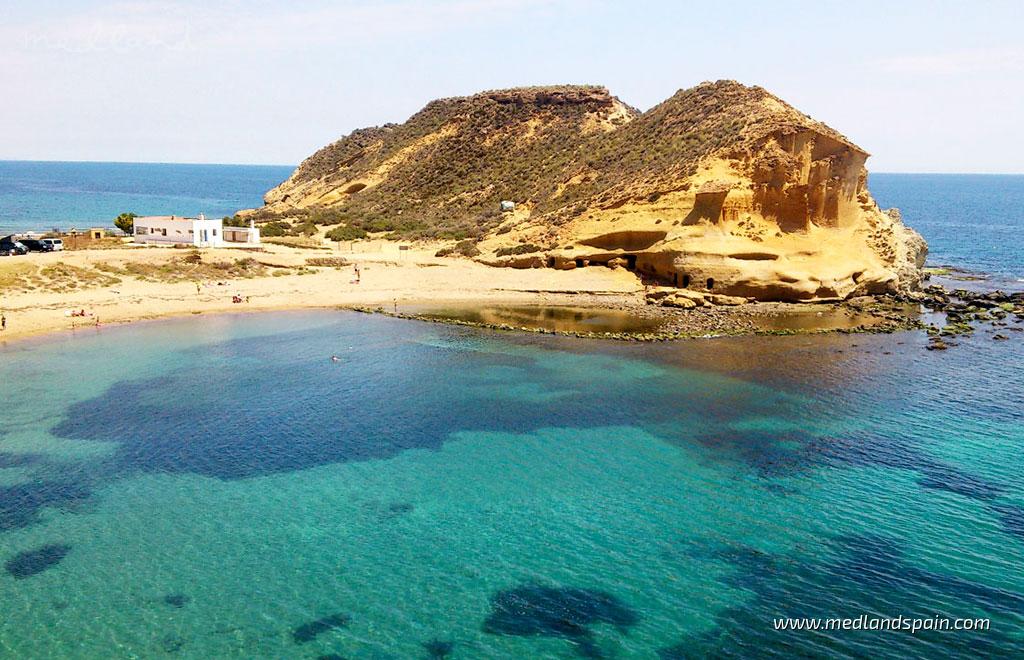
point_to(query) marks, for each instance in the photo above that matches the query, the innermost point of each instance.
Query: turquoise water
(44, 195)
(217, 487)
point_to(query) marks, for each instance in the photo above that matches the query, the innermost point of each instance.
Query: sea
(45, 195)
(972, 222)
(217, 487)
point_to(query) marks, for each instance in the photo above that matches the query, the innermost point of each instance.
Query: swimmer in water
(335, 358)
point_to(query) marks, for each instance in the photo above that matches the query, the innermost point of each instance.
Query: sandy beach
(104, 284)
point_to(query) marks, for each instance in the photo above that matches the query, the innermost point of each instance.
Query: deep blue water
(971, 221)
(217, 487)
(46, 195)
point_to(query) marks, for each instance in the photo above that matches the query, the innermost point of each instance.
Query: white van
(55, 243)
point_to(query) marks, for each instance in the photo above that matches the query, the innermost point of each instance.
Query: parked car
(58, 245)
(36, 245)
(10, 247)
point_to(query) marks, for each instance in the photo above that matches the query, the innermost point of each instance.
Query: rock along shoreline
(964, 312)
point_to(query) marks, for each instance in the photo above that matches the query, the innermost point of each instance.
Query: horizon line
(228, 164)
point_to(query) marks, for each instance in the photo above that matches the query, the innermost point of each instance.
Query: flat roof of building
(170, 218)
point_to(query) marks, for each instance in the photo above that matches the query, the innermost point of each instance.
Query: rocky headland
(722, 194)
(721, 211)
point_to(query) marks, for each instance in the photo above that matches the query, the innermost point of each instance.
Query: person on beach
(199, 289)
(3, 323)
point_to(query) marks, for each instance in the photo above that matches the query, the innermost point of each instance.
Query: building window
(214, 232)
(141, 231)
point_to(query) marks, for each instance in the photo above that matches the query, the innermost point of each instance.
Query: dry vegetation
(15, 277)
(532, 146)
(328, 262)
(298, 242)
(186, 269)
(451, 188)
(59, 277)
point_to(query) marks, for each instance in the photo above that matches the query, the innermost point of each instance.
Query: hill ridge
(717, 169)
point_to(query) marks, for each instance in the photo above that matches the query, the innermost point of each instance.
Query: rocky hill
(722, 188)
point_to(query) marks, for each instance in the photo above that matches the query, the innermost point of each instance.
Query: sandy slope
(387, 275)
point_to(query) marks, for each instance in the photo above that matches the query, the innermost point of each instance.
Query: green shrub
(522, 248)
(326, 217)
(466, 248)
(346, 233)
(275, 228)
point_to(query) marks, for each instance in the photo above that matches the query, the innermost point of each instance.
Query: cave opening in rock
(711, 283)
(579, 263)
(354, 188)
(551, 262)
(631, 261)
(686, 281)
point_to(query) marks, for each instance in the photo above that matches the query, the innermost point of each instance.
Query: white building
(200, 232)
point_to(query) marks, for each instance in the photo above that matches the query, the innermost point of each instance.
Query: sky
(923, 86)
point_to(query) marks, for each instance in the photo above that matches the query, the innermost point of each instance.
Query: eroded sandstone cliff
(722, 188)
